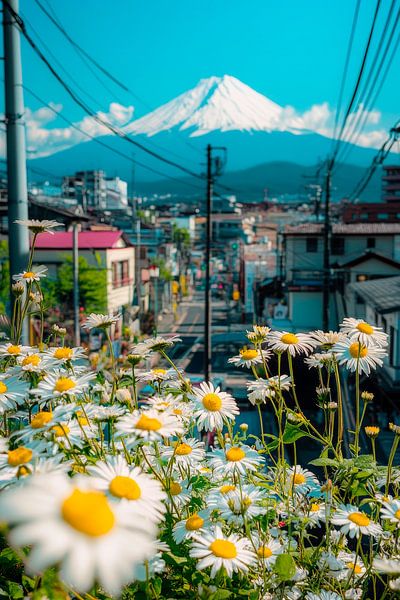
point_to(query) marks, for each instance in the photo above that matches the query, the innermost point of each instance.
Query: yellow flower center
(88, 512)
(158, 371)
(225, 489)
(14, 349)
(289, 338)
(62, 353)
(357, 350)
(63, 384)
(41, 419)
(298, 478)
(235, 454)
(359, 519)
(28, 275)
(397, 514)
(125, 487)
(264, 552)
(314, 507)
(3, 387)
(31, 359)
(83, 421)
(175, 488)
(194, 522)
(148, 423)
(223, 549)
(177, 412)
(19, 456)
(183, 449)
(23, 471)
(365, 328)
(60, 430)
(212, 402)
(356, 568)
(248, 354)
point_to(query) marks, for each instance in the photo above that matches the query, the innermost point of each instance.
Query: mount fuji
(221, 111)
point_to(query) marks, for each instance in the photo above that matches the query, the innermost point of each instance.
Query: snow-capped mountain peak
(216, 103)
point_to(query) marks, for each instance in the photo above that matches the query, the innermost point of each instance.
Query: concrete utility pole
(75, 255)
(214, 168)
(207, 299)
(18, 237)
(326, 289)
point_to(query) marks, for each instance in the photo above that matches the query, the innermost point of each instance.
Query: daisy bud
(17, 289)
(327, 487)
(372, 431)
(243, 426)
(395, 428)
(61, 331)
(367, 396)
(134, 359)
(322, 392)
(123, 395)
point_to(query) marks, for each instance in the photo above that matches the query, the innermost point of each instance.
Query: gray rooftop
(383, 294)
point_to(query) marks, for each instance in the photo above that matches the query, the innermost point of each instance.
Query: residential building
(112, 248)
(378, 302)
(391, 184)
(94, 191)
(358, 251)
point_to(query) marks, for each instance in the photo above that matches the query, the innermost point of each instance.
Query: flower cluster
(106, 492)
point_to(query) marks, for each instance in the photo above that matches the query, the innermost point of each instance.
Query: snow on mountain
(218, 103)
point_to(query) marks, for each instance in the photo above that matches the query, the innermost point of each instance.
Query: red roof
(91, 240)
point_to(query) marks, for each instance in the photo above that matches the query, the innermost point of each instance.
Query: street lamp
(154, 273)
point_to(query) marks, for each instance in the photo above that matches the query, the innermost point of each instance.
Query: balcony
(303, 279)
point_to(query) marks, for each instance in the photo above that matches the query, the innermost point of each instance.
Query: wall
(119, 296)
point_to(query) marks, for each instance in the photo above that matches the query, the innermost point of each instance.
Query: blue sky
(291, 51)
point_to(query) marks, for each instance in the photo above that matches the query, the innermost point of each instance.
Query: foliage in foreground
(104, 493)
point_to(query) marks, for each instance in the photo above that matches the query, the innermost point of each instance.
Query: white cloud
(44, 139)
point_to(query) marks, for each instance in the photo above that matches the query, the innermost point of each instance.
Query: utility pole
(18, 237)
(214, 168)
(207, 300)
(75, 261)
(326, 258)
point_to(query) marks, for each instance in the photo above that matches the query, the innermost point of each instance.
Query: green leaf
(324, 462)
(292, 433)
(174, 560)
(221, 594)
(285, 567)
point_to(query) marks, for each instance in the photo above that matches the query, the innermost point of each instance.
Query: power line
(357, 85)
(115, 130)
(89, 59)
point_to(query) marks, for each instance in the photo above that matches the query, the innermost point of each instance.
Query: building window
(312, 244)
(371, 242)
(383, 216)
(120, 273)
(337, 246)
(359, 299)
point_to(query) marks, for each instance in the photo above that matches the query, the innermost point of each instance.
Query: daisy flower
(320, 360)
(12, 392)
(187, 529)
(105, 413)
(301, 480)
(215, 550)
(249, 357)
(99, 321)
(261, 389)
(157, 375)
(156, 344)
(357, 356)
(258, 335)
(216, 495)
(241, 504)
(188, 452)
(323, 595)
(354, 523)
(68, 434)
(15, 350)
(61, 384)
(267, 549)
(148, 426)
(284, 341)
(353, 566)
(37, 226)
(328, 338)
(386, 565)
(33, 362)
(35, 274)
(391, 511)
(235, 459)
(67, 522)
(180, 492)
(212, 406)
(315, 513)
(63, 354)
(126, 483)
(42, 420)
(361, 331)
